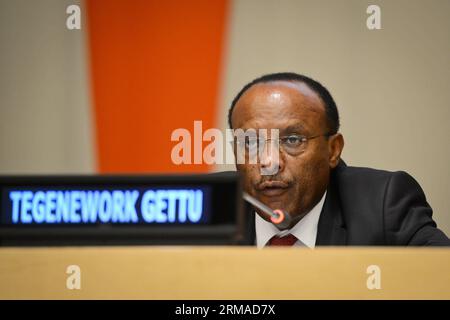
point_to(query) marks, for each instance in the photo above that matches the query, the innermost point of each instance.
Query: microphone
(279, 218)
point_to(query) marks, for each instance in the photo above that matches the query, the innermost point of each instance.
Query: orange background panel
(154, 68)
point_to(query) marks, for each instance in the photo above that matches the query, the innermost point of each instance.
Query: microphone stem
(281, 219)
(258, 204)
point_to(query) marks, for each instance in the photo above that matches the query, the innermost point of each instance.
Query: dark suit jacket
(368, 207)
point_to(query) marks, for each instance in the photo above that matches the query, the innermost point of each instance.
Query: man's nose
(269, 158)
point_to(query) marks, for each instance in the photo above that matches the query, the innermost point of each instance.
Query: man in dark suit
(330, 203)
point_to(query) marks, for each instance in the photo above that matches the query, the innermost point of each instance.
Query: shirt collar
(305, 230)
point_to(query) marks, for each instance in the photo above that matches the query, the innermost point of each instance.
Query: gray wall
(45, 121)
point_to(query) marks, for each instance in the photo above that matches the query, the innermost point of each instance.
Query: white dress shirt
(305, 230)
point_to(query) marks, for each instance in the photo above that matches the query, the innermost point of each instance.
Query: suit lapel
(251, 231)
(331, 229)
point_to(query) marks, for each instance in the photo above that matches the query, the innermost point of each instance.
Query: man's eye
(292, 140)
(251, 143)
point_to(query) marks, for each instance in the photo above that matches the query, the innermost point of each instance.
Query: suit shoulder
(367, 175)
(373, 183)
(363, 174)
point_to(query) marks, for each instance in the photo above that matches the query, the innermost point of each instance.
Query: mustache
(272, 181)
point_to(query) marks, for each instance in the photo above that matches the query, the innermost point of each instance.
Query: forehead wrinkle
(274, 116)
(283, 124)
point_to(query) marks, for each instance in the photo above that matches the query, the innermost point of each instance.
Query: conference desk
(224, 273)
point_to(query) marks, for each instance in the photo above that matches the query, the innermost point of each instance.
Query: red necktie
(288, 240)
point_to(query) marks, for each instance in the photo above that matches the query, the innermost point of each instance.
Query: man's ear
(335, 146)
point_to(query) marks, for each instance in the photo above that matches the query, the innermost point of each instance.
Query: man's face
(301, 180)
